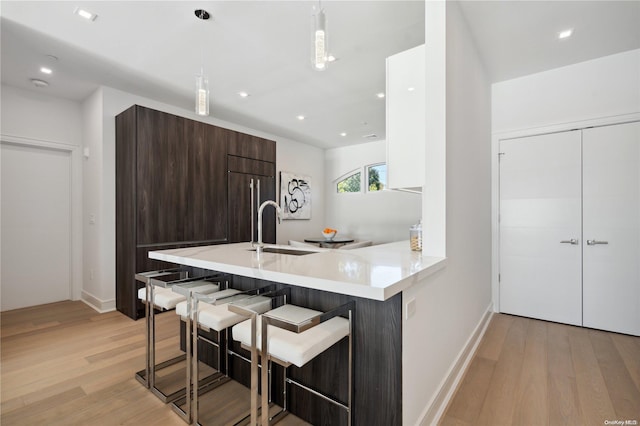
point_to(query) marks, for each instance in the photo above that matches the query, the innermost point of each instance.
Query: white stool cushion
(166, 298)
(142, 292)
(219, 317)
(181, 308)
(295, 348)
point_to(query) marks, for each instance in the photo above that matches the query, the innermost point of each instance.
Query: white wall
(452, 305)
(383, 216)
(94, 273)
(99, 111)
(307, 160)
(603, 87)
(33, 118)
(34, 115)
(597, 92)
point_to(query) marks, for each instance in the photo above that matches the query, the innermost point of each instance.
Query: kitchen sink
(289, 251)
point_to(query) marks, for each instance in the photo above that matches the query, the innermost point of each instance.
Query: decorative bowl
(329, 233)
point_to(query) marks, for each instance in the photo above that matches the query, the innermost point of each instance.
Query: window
(351, 183)
(376, 177)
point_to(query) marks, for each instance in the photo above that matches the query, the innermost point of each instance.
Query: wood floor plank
(467, 403)
(23, 415)
(563, 394)
(624, 395)
(564, 406)
(448, 420)
(629, 349)
(532, 406)
(595, 404)
(499, 403)
(70, 408)
(154, 417)
(491, 344)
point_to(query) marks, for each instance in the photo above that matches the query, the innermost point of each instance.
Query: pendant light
(202, 82)
(202, 94)
(319, 45)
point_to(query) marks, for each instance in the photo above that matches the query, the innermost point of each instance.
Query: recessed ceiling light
(380, 95)
(300, 117)
(565, 33)
(343, 134)
(411, 89)
(243, 94)
(85, 14)
(45, 70)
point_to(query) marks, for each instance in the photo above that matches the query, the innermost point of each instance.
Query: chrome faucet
(260, 244)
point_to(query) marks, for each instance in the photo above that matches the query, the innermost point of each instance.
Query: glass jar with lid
(415, 236)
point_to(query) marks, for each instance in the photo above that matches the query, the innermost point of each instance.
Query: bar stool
(158, 294)
(292, 335)
(208, 312)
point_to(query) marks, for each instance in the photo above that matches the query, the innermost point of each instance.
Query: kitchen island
(374, 277)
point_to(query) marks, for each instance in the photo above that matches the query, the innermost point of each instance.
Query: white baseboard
(435, 409)
(99, 305)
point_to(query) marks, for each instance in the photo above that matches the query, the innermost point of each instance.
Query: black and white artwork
(295, 196)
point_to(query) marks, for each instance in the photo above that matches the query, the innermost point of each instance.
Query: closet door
(611, 248)
(540, 224)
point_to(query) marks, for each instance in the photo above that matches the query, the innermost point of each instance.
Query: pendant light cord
(201, 42)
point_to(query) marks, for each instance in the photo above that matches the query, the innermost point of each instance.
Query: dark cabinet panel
(161, 176)
(171, 191)
(250, 146)
(251, 166)
(205, 189)
(240, 214)
(126, 212)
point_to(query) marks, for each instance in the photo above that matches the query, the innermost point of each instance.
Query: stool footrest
(318, 394)
(180, 393)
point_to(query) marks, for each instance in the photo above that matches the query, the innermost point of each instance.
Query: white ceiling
(517, 38)
(153, 49)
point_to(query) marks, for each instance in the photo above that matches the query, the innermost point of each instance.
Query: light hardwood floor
(530, 372)
(65, 364)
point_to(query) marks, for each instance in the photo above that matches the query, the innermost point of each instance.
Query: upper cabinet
(249, 146)
(405, 104)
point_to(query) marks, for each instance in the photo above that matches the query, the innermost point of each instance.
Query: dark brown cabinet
(181, 183)
(240, 204)
(181, 190)
(251, 161)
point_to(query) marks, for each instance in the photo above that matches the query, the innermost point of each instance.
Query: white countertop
(377, 272)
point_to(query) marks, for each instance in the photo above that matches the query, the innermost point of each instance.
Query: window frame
(347, 176)
(366, 170)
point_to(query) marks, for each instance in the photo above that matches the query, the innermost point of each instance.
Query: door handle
(573, 242)
(252, 187)
(594, 242)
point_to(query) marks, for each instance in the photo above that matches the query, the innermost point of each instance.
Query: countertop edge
(317, 283)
